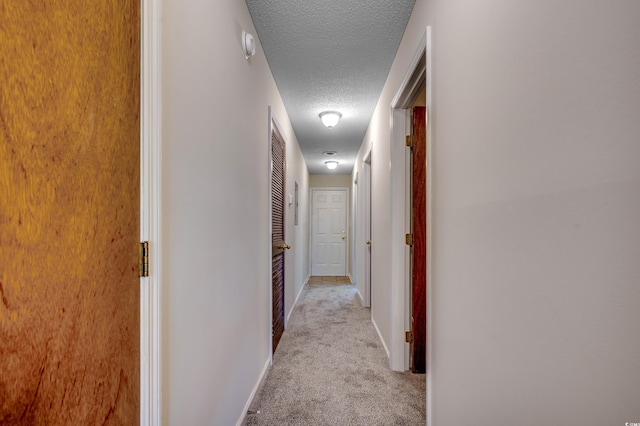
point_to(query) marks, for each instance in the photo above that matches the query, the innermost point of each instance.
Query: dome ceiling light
(331, 164)
(330, 118)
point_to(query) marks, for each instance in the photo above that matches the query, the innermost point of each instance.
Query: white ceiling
(330, 55)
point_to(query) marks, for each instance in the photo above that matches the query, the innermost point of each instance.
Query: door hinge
(409, 141)
(144, 259)
(408, 336)
(408, 239)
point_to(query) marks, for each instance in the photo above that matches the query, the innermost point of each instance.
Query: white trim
(430, 209)
(406, 94)
(295, 302)
(269, 236)
(367, 187)
(412, 78)
(386, 349)
(254, 392)
(354, 225)
(150, 212)
(328, 188)
(360, 296)
(398, 360)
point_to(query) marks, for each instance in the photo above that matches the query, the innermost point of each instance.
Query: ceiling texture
(330, 55)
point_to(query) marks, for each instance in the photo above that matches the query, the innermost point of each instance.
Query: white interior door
(329, 238)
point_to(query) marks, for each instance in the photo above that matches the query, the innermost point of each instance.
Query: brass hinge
(144, 259)
(408, 238)
(409, 141)
(408, 336)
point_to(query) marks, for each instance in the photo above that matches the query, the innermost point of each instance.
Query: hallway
(144, 276)
(330, 368)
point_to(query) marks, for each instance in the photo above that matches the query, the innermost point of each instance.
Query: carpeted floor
(331, 369)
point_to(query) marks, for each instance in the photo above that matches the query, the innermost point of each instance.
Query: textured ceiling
(330, 55)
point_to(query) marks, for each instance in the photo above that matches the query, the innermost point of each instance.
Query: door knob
(343, 235)
(284, 246)
(368, 242)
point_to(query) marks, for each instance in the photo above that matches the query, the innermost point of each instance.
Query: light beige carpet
(331, 369)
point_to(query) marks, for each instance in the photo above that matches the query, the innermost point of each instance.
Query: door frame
(346, 222)
(354, 226)
(368, 249)
(419, 72)
(151, 214)
(274, 123)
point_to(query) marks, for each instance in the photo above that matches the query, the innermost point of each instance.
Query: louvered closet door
(277, 210)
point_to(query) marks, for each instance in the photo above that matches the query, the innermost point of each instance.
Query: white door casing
(151, 216)
(329, 232)
(367, 229)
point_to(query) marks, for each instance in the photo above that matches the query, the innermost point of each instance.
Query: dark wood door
(278, 241)
(69, 212)
(419, 246)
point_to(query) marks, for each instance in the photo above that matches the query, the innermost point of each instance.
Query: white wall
(329, 181)
(216, 247)
(377, 142)
(297, 267)
(536, 199)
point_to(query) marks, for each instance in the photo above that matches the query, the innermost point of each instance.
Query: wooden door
(69, 212)
(329, 236)
(278, 234)
(419, 245)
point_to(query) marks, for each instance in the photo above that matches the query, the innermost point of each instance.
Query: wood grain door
(69, 212)
(278, 235)
(419, 246)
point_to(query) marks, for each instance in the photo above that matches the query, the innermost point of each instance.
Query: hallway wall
(535, 196)
(216, 244)
(338, 181)
(297, 268)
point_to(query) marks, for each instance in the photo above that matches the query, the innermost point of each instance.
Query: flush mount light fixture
(330, 118)
(329, 153)
(331, 164)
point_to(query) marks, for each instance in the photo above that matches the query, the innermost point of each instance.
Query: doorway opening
(417, 79)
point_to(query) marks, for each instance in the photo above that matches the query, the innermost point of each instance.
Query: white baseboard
(296, 301)
(386, 349)
(255, 390)
(360, 296)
